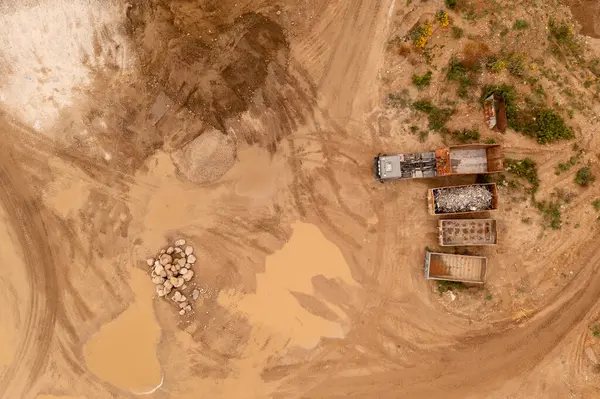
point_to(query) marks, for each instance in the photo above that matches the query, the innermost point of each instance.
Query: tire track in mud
(25, 216)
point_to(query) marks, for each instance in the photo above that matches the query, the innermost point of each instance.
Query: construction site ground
(249, 127)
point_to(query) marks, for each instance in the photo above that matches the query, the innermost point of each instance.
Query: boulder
(169, 273)
(182, 312)
(183, 298)
(183, 271)
(162, 251)
(163, 274)
(178, 250)
(150, 261)
(180, 242)
(176, 296)
(189, 250)
(179, 282)
(183, 305)
(195, 294)
(188, 276)
(191, 259)
(160, 290)
(188, 308)
(165, 259)
(158, 280)
(158, 269)
(170, 250)
(168, 284)
(181, 262)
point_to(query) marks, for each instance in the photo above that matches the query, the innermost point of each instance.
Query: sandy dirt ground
(248, 128)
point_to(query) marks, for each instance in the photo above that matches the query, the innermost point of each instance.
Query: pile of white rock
(170, 272)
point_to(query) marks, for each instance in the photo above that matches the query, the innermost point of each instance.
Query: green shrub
(444, 286)
(547, 127)
(466, 135)
(584, 176)
(422, 81)
(520, 24)
(451, 3)
(457, 32)
(437, 117)
(596, 204)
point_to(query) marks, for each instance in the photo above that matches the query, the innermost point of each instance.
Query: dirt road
(311, 273)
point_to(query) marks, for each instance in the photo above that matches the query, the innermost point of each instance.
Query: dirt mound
(206, 158)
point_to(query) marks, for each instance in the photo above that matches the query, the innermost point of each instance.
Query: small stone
(180, 242)
(156, 262)
(182, 312)
(188, 276)
(169, 273)
(181, 262)
(170, 250)
(188, 308)
(150, 261)
(168, 290)
(162, 251)
(189, 250)
(183, 305)
(168, 284)
(183, 287)
(158, 269)
(158, 280)
(179, 282)
(183, 271)
(178, 250)
(191, 259)
(195, 294)
(165, 259)
(183, 298)
(188, 266)
(163, 274)
(160, 290)
(176, 296)
(278, 12)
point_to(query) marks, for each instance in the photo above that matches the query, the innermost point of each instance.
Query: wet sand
(123, 352)
(288, 274)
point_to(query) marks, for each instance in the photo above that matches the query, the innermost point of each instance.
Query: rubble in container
(171, 270)
(462, 199)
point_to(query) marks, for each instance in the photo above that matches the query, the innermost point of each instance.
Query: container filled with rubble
(172, 273)
(463, 199)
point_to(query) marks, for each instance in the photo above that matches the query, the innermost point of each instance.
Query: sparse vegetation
(422, 81)
(525, 169)
(551, 214)
(399, 100)
(596, 204)
(444, 286)
(458, 71)
(595, 330)
(489, 297)
(457, 32)
(563, 167)
(520, 24)
(437, 117)
(584, 176)
(466, 135)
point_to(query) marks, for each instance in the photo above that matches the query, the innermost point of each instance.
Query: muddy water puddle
(123, 352)
(289, 276)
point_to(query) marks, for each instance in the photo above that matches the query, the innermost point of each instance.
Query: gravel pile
(462, 199)
(171, 270)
